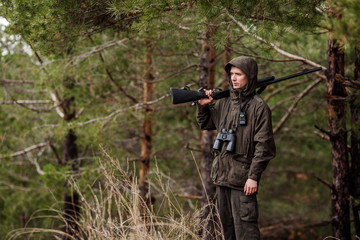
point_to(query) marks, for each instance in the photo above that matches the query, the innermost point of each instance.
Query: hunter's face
(238, 78)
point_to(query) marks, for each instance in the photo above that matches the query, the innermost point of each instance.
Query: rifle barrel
(289, 77)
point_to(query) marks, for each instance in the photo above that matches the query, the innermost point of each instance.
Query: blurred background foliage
(71, 47)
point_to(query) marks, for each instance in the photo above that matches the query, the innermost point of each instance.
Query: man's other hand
(250, 187)
(205, 101)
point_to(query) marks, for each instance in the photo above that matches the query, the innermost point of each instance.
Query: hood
(250, 68)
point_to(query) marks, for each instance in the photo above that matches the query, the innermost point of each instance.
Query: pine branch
(276, 48)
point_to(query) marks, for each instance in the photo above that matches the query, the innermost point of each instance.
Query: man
(244, 120)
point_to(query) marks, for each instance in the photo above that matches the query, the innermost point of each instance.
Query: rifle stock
(182, 95)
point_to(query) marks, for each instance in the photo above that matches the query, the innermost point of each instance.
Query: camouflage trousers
(238, 214)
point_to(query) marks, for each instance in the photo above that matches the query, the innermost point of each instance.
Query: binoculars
(225, 136)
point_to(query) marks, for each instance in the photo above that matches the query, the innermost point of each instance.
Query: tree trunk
(355, 145)
(71, 205)
(338, 140)
(207, 81)
(227, 57)
(146, 145)
(70, 156)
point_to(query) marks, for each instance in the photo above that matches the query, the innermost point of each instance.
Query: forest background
(87, 126)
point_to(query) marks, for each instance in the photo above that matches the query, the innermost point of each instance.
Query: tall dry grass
(111, 211)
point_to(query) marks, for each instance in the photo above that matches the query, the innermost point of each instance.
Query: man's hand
(250, 187)
(205, 101)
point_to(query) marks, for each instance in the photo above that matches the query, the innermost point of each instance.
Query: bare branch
(259, 57)
(35, 163)
(117, 112)
(57, 104)
(279, 103)
(32, 102)
(29, 149)
(327, 183)
(196, 66)
(193, 197)
(187, 146)
(347, 83)
(276, 48)
(59, 160)
(119, 87)
(278, 90)
(21, 104)
(327, 133)
(98, 49)
(293, 106)
(322, 136)
(17, 81)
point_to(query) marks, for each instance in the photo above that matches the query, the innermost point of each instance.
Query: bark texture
(71, 199)
(227, 57)
(355, 145)
(207, 81)
(146, 146)
(338, 140)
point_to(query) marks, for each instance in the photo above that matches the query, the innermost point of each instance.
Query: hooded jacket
(255, 145)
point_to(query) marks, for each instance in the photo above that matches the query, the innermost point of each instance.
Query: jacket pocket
(238, 173)
(248, 208)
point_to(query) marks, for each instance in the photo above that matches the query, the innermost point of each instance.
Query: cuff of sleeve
(253, 177)
(204, 108)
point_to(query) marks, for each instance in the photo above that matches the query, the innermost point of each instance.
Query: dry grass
(112, 211)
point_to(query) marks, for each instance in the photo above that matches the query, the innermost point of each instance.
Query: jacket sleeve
(205, 117)
(264, 143)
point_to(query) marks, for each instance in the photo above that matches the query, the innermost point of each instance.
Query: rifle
(184, 95)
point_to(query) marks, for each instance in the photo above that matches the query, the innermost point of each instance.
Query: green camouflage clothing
(254, 148)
